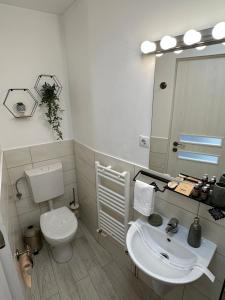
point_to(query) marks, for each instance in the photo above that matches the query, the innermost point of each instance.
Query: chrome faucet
(172, 226)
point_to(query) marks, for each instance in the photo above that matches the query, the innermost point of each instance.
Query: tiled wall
(74, 154)
(8, 209)
(167, 204)
(21, 159)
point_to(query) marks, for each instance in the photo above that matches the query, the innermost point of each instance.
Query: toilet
(59, 225)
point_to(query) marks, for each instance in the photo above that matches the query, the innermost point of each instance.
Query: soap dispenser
(195, 234)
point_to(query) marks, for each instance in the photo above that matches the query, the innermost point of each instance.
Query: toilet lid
(58, 223)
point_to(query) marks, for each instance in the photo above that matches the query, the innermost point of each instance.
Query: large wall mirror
(188, 123)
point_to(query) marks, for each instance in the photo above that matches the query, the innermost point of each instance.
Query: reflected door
(198, 121)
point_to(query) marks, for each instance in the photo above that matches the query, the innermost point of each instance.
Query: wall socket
(144, 141)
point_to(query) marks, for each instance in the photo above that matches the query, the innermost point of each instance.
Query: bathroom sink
(168, 257)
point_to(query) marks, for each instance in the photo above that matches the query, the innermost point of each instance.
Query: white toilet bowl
(59, 227)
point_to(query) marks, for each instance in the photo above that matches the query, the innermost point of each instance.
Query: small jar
(205, 178)
(196, 191)
(204, 193)
(200, 183)
(212, 181)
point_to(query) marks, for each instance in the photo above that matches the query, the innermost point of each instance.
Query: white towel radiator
(117, 203)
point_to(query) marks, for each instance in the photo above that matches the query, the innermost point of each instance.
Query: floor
(92, 274)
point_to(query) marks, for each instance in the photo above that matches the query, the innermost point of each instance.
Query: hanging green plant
(50, 100)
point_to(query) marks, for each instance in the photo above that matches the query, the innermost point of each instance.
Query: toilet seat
(58, 225)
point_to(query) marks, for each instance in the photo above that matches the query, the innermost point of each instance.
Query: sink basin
(167, 257)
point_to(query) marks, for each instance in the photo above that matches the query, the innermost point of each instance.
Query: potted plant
(50, 100)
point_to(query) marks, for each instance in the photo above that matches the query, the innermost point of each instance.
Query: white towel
(144, 198)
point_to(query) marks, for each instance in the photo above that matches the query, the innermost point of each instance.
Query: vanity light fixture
(192, 37)
(218, 31)
(168, 42)
(201, 47)
(159, 54)
(148, 47)
(178, 51)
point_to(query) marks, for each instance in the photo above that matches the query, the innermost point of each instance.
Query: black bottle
(195, 234)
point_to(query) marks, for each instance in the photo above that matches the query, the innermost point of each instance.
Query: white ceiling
(51, 6)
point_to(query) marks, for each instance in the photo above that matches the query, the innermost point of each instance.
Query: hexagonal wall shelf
(20, 103)
(51, 79)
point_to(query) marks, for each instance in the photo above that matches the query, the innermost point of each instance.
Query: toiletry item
(218, 195)
(222, 179)
(204, 193)
(172, 184)
(32, 238)
(212, 181)
(196, 191)
(185, 188)
(205, 178)
(155, 220)
(144, 198)
(195, 234)
(200, 183)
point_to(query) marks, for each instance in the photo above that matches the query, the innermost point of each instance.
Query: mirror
(222, 294)
(188, 121)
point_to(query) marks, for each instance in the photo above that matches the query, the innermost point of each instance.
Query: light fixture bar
(206, 40)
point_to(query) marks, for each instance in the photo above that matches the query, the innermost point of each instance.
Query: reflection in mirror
(188, 123)
(222, 295)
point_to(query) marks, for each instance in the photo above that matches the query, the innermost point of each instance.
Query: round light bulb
(200, 48)
(148, 47)
(192, 37)
(178, 51)
(218, 31)
(159, 54)
(168, 42)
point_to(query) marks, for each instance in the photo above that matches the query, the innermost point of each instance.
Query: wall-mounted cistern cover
(46, 182)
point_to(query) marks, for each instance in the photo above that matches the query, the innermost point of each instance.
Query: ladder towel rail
(115, 223)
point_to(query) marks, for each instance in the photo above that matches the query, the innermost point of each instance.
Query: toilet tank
(46, 182)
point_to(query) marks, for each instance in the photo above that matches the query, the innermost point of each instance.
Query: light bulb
(192, 37)
(168, 42)
(148, 47)
(159, 54)
(218, 31)
(178, 51)
(200, 47)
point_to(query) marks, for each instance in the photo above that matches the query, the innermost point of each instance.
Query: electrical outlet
(144, 141)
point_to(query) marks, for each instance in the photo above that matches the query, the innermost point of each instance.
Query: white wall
(30, 45)
(111, 84)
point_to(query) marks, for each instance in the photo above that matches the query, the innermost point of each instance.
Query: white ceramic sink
(167, 257)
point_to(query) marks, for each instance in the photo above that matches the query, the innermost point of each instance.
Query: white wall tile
(30, 218)
(26, 205)
(69, 177)
(68, 162)
(17, 157)
(85, 154)
(51, 150)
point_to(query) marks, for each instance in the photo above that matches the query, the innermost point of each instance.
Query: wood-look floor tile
(101, 254)
(65, 281)
(82, 247)
(77, 266)
(102, 284)
(120, 283)
(46, 282)
(86, 290)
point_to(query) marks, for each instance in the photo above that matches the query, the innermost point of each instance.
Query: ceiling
(51, 6)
